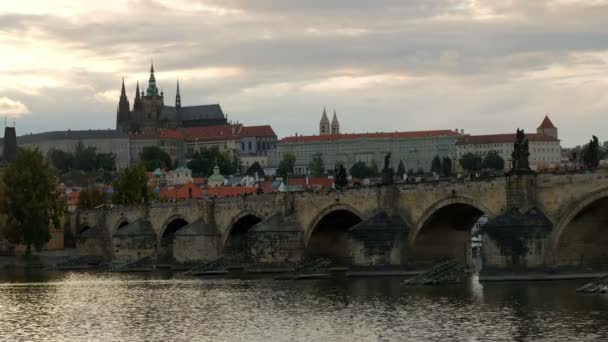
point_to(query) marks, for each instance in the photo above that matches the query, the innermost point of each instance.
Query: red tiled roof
(181, 192)
(227, 191)
(258, 131)
(499, 139)
(380, 135)
(546, 124)
(204, 133)
(312, 181)
(199, 180)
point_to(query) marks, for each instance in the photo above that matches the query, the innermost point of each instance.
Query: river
(129, 307)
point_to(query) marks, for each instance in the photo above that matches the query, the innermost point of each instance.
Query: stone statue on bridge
(387, 171)
(521, 153)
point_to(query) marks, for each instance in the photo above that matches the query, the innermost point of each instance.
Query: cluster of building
(181, 131)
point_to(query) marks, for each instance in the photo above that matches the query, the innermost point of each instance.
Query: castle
(150, 113)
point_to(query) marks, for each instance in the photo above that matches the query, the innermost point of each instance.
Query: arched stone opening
(165, 247)
(82, 229)
(583, 240)
(445, 234)
(330, 237)
(121, 225)
(236, 246)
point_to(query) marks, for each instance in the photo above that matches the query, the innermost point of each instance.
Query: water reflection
(109, 307)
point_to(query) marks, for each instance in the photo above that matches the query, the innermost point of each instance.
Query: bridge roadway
(536, 221)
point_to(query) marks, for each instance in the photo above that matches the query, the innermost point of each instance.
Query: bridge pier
(379, 241)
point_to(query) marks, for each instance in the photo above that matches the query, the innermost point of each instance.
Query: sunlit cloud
(13, 108)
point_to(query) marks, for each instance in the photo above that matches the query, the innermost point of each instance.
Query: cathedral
(150, 113)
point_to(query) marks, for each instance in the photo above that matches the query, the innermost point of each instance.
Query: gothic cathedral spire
(152, 90)
(335, 125)
(122, 113)
(324, 126)
(178, 97)
(137, 102)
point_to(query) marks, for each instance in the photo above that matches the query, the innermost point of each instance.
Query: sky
(482, 66)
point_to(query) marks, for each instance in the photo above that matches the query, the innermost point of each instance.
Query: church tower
(335, 125)
(324, 127)
(547, 128)
(152, 104)
(123, 111)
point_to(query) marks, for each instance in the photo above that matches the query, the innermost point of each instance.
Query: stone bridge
(535, 221)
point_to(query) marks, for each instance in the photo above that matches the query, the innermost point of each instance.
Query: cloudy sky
(485, 66)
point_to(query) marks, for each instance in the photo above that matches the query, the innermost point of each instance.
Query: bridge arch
(166, 237)
(120, 223)
(234, 239)
(580, 236)
(329, 236)
(444, 230)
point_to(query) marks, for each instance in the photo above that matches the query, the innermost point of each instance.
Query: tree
(206, 159)
(106, 161)
(316, 165)
(471, 162)
(401, 169)
(61, 160)
(131, 187)
(286, 165)
(30, 200)
(493, 161)
(360, 170)
(90, 198)
(254, 169)
(341, 180)
(591, 153)
(436, 165)
(154, 157)
(446, 166)
(604, 150)
(420, 171)
(85, 158)
(373, 169)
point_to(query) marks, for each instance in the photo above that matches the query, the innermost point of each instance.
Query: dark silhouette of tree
(493, 161)
(591, 153)
(129, 186)
(446, 166)
(471, 162)
(341, 179)
(436, 165)
(154, 157)
(255, 168)
(286, 166)
(30, 200)
(62, 161)
(203, 162)
(316, 165)
(401, 170)
(360, 170)
(90, 198)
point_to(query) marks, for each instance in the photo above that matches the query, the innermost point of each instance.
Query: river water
(117, 307)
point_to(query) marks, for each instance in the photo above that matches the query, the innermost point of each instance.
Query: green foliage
(90, 198)
(420, 171)
(106, 161)
(493, 161)
(360, 170)
(341, 179)
(436, 165)
(373, 169)
(85, 158)
(604, 150)
(471, 162)
(317, 166)
(591, 153)
(131, 187)
(255, 168)
(154, 157)
(203, 162)
(30, 200)
(446, 166)
(286, 166)
(62, 161)
(401, 169)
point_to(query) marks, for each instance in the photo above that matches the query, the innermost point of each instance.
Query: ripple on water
(110, 307)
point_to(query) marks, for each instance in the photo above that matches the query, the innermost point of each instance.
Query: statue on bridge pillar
(387, 171)
(521, 153)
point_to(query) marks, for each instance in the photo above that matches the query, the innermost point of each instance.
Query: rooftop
(499, 139)
(379, 135)
(546, 124)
